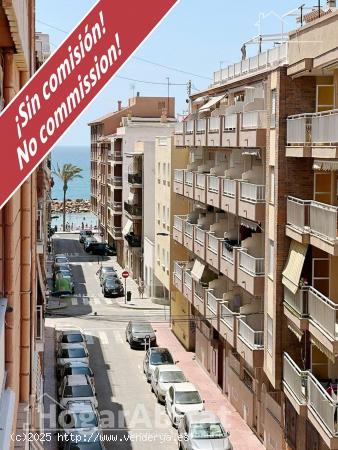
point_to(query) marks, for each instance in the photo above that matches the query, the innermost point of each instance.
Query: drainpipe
(26, 298)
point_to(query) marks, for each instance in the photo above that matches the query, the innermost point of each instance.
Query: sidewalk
(241, 436)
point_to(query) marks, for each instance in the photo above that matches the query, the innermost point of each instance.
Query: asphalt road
(130, 415)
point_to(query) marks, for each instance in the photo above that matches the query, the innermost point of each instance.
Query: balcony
(213, 191)
(200, 242)
(214, 131)
(250, 273)
(199, 297)
(251, 203)
(189, 184)
(213, 249)
(117, 233)
(133, 211)
(230, 130)
(116, 207)
(201, 132)
(133, 240)
(228, 323)
(178, 228)
(188, 286)
(296, 307)
(116, 157)
(295, 384)
(253, 130)
(200, 194)
(179, 140)
(313, 135)
(135, 179)
(270, 58)
(211, 307)
(229, 195)
(297, 219)
(228, 259)
(178, 275)
(178, 181)
(189, 137)
(250, 338)
(188, 236)
(116, 182)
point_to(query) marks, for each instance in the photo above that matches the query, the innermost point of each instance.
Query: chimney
(137, 94)
(119, 105)
(331, 3)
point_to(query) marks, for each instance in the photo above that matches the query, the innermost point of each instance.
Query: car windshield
(73, 353)
(207, 431)
(172, 377)
(111, 283)
(78, 391)
(86, 446)
(107, 269)
(187, 398)
(61, 260)
(78, 371)
(163, 357)
(142, 328)
(72, 338)
(81, 420)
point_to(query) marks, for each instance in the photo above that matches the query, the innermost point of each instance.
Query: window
(168, 216)
(158, 170)
(158, 252)
(269, 334)
(272, 185)
(163, 215)
(271, 258)
(163, 258)
(167, 263)
(168, 171)
(164, 171)
(273, 108)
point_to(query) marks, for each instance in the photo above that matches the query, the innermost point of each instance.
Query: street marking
(96, 301)
(85, 301)
(75, 301)
(107, 301)
(103, 338)
(117, 336)
(90, 339)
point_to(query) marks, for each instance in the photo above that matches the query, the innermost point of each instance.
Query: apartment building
(117, 169)
(23, 235)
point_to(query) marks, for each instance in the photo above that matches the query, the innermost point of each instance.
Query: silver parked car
(164, 377)
(155, 356)
(77, 388)
(202, 431)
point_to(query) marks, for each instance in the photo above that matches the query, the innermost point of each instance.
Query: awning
(325, 165)
(249, 224)
(294, 266)
(131, 197)
(251, 152)
(295, 330)
(127, 227)
(199, 99)
(211, 103)
(322, 348)
(42, 282)
(197, 270)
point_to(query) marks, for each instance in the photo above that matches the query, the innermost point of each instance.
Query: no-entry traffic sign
(125, 274)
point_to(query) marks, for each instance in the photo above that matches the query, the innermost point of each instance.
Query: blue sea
(80, 157)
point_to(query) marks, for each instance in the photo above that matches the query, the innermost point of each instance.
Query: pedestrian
(82, 225)
(141, 289)
(49, 248)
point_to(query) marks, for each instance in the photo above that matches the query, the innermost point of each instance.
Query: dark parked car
(103, 271)
(88, 240)
(84, 234)
(112, 287)
(140, 334)
(99, 248)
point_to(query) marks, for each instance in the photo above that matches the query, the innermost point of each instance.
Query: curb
(140, 308)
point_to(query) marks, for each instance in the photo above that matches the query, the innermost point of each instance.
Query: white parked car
(79, 422)
(164, 377)
(70, 336)
(75, 352)
(180, 399)
(154, 357)
(77, 388)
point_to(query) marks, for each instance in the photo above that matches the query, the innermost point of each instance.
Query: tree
(66, 174)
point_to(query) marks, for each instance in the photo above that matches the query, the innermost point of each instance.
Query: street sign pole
(125, 275)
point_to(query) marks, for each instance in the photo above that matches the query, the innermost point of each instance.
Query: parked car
(76, 388)
(163, 377)
(110, 251)
(180, 399)
(103, 271)
(99, 248)
(64, 275)
(88, 240)
(112, 287)
(140, 334)
(85, 233)
(63, 285)
(96, 445)
(77, 352)
(155, 357)
(60, 259)
(202, 430)
(76, 368)
(70, 336)
(79, 422)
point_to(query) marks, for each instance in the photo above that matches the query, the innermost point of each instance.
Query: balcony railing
(200, 235)
(295, 379)
(252, 192)
(117, 231)
(297, 301)
(178, 270)
(298, 212)
(200, 126)
(254, 120)
(230, 122)
(135, 178)
(229, 187)
(178, 222)
(133, 240)
(214, 123)
(189, 229)
(199, 291)
(228, 316)
(213, 183)
(227, 253)
(254, 266)
(323, 311)
(133, 210)
(117, 206)
(116, 155)
(316, 129)
(254, 338)
(212, 301)
(187, 279)
(200, 180)
(299, 129)
(322, 404)
(190, 126)
(323, 220)
(270, 58)
(116, 181)
(40, 323)
(179, 128)
(189, 178)
(213, 243)
(178, 175)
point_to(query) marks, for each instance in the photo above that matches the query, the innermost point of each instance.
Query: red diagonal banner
(50, 102)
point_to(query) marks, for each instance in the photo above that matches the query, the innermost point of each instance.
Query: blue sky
(195, 37)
